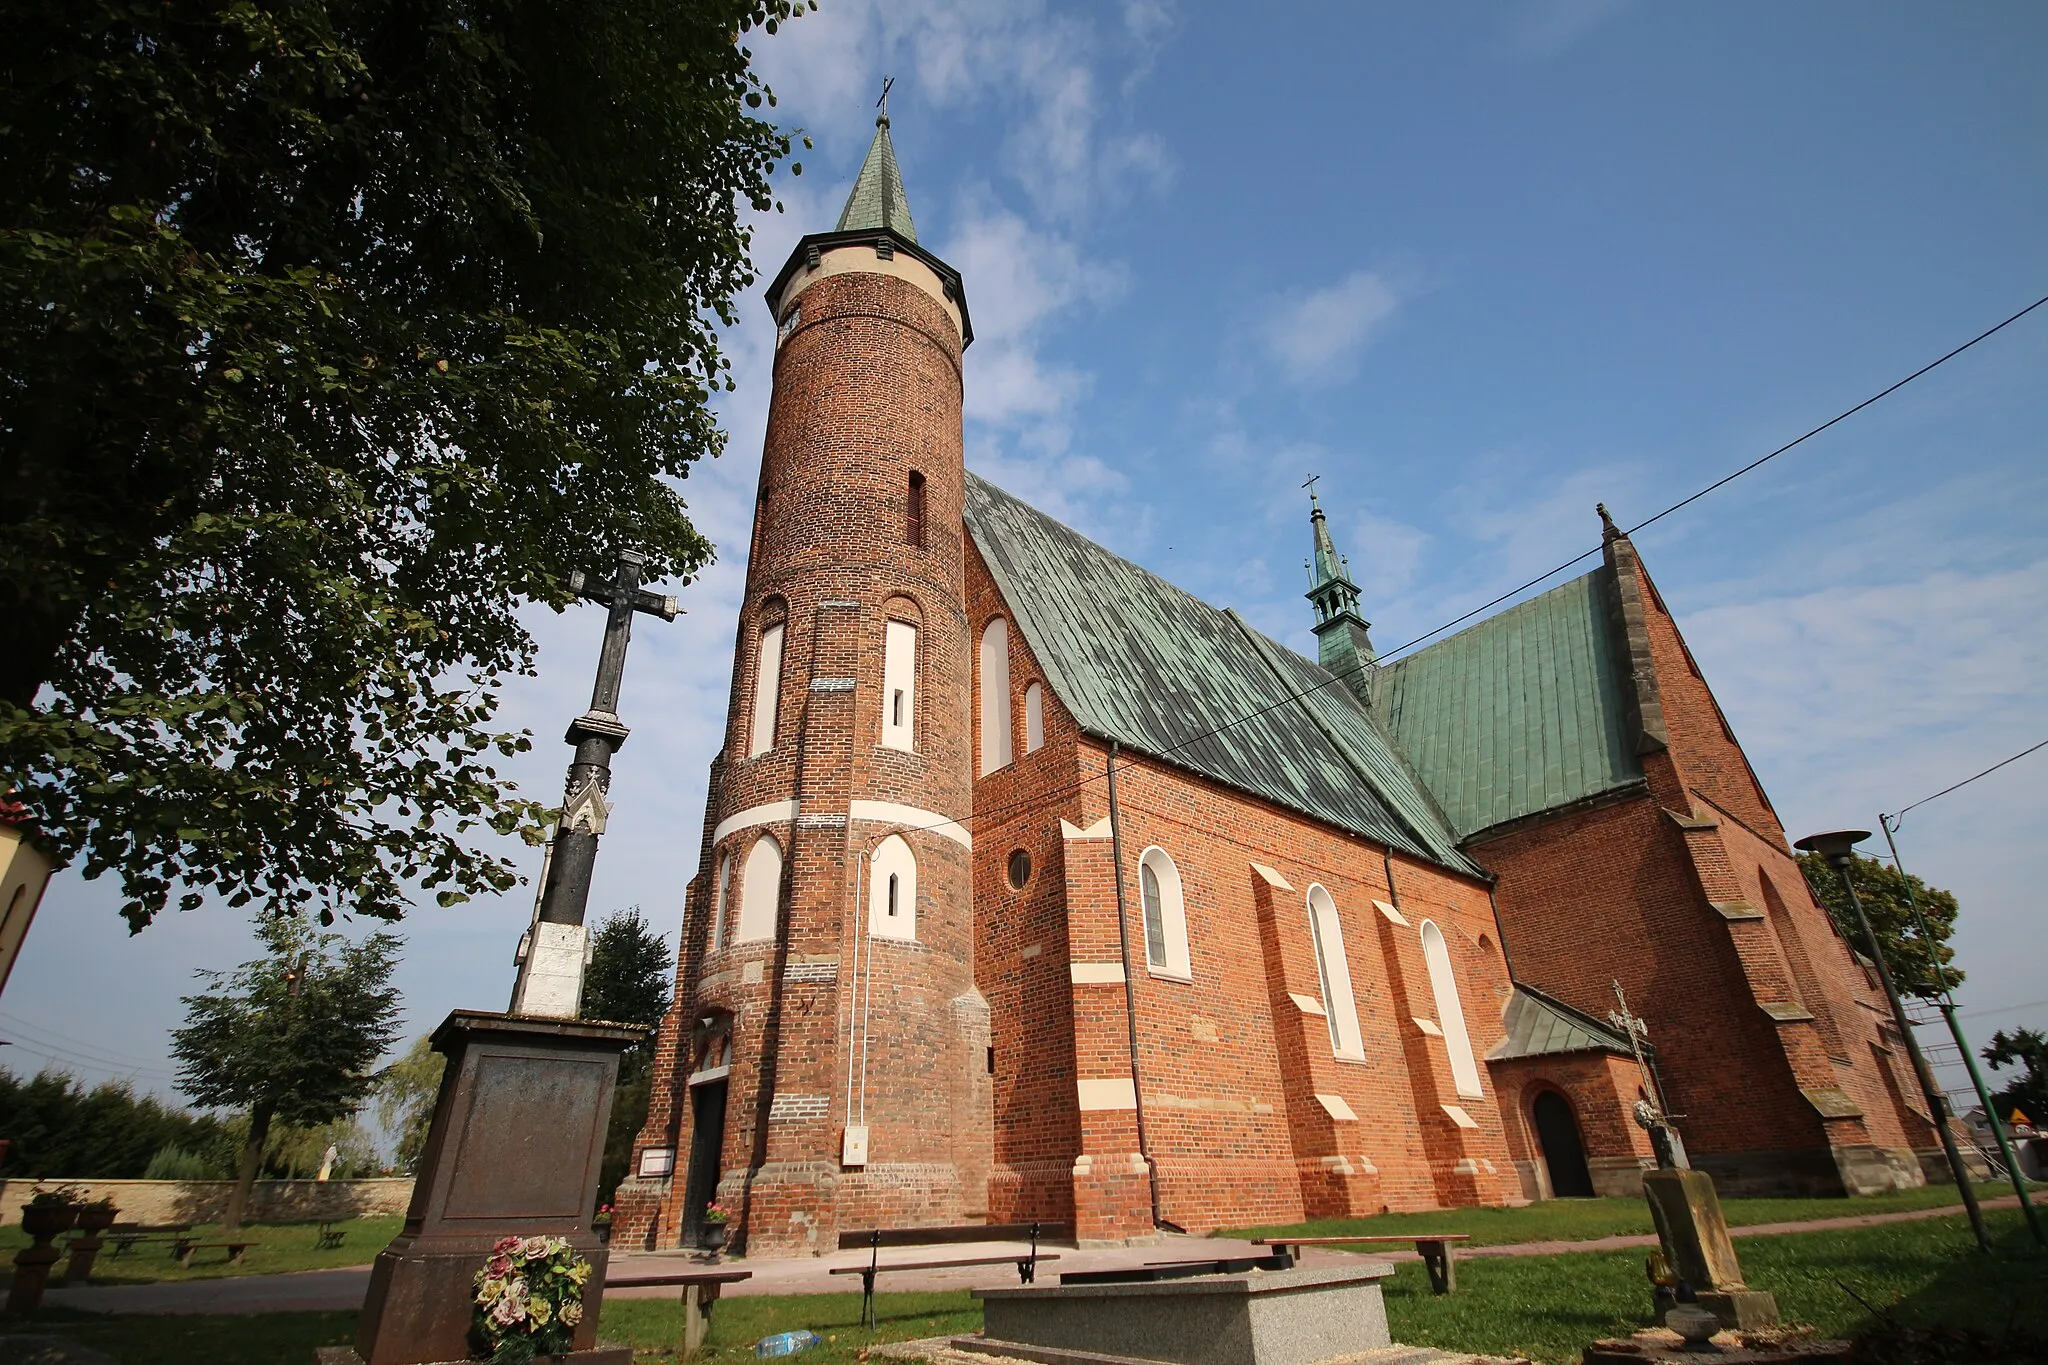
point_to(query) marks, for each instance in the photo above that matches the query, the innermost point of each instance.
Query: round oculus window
(1020, 869)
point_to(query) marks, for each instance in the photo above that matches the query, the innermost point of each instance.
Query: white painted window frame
(1173, 914)
(996, 739)
(1333, 968)
(899, 685)
(1450, 1012)
(721, 900)
(893, 857)
(1034, 717)
(760, 892)
(767, 689)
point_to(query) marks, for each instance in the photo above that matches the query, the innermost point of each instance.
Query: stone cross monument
(552, 952)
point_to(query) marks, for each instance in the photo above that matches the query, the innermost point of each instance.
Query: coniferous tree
(628, 982)
(58, 1128)
(330, 333)
(290, 1037)
(1882, 890)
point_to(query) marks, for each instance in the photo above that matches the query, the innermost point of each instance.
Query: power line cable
(1406, 645)
(1968, 780)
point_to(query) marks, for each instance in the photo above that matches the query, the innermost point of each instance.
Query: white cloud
(1317, 338)
(1544, 28)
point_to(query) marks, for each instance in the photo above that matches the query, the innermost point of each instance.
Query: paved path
(343, 1290)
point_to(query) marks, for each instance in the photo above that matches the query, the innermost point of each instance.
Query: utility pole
(1946, 1003)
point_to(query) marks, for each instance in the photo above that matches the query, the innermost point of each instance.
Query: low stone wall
(204, 1201)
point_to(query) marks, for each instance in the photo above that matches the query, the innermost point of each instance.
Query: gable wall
(1229, 1074)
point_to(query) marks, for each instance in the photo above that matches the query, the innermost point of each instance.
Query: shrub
(175, 1163)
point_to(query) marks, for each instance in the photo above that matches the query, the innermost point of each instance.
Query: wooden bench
(1437, 1249)
(127, 1235)
(1180, 1270)
(186, 1248)
(876, 1238)
(330, 1237)
(700, 1291)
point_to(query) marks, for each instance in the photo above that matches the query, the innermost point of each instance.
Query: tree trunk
(245, 1177)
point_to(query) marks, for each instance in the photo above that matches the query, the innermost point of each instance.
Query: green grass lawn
(1577, 1220)
(279, 1247)
(1544, 1307)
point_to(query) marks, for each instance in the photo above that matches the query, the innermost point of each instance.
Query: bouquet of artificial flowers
(529, 1298)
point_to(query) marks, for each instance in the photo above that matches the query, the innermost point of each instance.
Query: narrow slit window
(1450, 1012)
(1334, 970)
(899, 685)
(893, 887)
(767, 691)
(913, 530)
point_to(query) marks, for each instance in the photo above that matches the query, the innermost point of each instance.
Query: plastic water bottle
(786, 1343)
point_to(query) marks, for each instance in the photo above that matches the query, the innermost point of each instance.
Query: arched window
(1166, 918)
(913, 527)
(899, 684)
(1335, 970)
(760, 891)
(892, 890)
(1034, 718)
(1450, 1014)
(767, 691)
(721, 898)
(995, 696)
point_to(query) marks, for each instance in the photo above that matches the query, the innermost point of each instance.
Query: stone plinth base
(1694, 1235)
(597, 1355)
(513, 1151)
(1288, 1317)
(1746, 1310)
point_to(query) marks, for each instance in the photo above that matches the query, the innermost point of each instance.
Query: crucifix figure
(552, 951)
(1651, 1113)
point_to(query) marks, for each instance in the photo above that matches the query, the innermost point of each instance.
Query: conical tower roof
(877, 200)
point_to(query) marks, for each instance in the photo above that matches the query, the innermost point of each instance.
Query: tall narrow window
(767, 691)
(1335, 971)
(1450, 1014)
(721, 898)
(1166, 918)
(760, 891)
(913, 528)
(892, 890)
(1034, 718)
(899, 684)
(995, 696)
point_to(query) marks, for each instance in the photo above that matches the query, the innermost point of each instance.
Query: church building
(1033, 887)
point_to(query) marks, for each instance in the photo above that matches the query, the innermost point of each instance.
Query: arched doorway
(1563, 1153)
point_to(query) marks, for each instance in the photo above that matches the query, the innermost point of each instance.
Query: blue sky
(1479, 266)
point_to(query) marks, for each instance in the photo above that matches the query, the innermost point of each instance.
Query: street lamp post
(1946, 1003)
(1838, 847)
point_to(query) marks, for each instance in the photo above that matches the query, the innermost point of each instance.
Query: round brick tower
(831, 1040)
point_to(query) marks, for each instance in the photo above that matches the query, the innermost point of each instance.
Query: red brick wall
(1601, 1089)
(1227, 1115)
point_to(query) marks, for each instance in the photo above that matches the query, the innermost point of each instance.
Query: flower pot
(96, 1218)
(41, 1221)
(713, 1236)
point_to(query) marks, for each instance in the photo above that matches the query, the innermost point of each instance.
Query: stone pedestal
(1286, 1317)
(1695, 1239)
(514, 1150)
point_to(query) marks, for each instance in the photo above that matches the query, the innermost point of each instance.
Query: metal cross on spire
(552, 951)
(883, 103)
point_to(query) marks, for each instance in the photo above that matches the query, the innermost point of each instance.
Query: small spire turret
(878, 200)
(1342, 634)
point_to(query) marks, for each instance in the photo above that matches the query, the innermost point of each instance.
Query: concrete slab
(1283, 1317)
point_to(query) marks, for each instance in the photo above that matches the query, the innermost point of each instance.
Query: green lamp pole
(1838, 847)
(1946, 1003)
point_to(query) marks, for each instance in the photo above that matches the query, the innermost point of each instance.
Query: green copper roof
(1517, 714)
(877, 200)
(1538, 1026)
(1139, 661)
